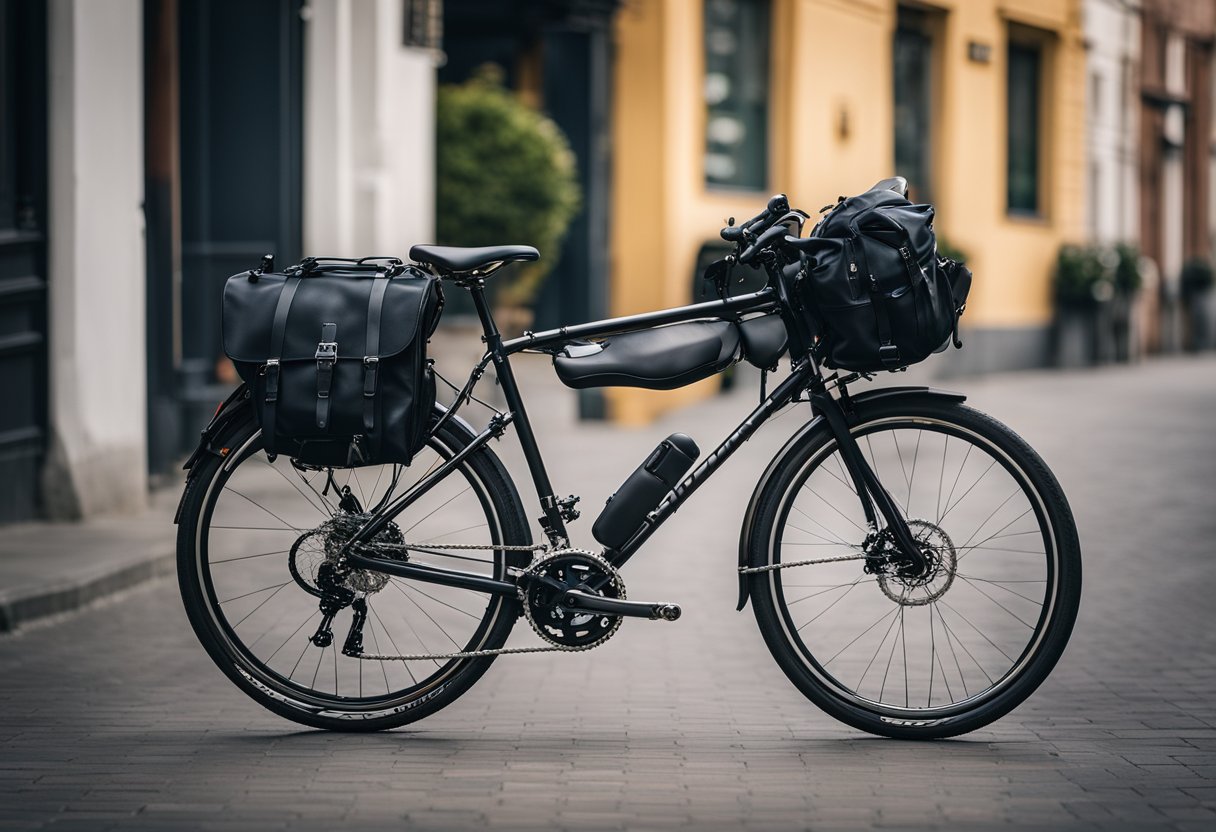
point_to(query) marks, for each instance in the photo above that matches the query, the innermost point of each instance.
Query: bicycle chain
(751, 570)
(498, 651)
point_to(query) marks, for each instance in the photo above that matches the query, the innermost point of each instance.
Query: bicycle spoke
(832, 506)
(254, 592)
(950, 633)
(977, 630)
(858, 637)
(394, 582)
(874, 637)
(1002, 606)
(950, 508)
(258, 607)
(1001, 585)
(262, 507)
(307, 619)
(957, 477)
(321, 510)
(250, 557)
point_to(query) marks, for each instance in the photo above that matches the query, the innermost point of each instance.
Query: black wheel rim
(328, 681)
(956, 675)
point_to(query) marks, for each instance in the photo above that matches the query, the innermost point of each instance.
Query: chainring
(324, 545)
(572, 568)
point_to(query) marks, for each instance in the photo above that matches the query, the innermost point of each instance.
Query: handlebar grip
(765, 240)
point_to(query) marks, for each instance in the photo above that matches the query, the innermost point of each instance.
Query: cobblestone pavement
(114, 718)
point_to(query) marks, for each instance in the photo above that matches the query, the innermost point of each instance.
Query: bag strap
(278, 333)
(327, 356)
(888, 353)
(371, 361)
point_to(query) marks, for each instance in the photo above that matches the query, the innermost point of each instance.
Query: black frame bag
(879, 296)
(334, 352)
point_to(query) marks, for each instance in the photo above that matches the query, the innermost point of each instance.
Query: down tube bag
(336, 361)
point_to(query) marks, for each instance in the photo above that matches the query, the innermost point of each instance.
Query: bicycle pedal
(667, 612)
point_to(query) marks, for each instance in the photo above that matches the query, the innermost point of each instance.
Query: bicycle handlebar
(777, 206)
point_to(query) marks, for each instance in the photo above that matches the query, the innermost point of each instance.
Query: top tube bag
(879, 296)
(334, 353)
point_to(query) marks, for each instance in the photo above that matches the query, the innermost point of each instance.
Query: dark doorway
(560, 50)
(239, 119)
(23, 223)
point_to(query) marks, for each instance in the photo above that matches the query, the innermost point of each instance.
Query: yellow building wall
(831, 134)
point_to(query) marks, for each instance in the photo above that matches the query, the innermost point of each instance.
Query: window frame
(768, 143)
(1040, 41)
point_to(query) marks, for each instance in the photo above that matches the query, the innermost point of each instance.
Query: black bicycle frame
(804, 377)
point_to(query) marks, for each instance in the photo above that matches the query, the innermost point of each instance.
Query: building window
(1023, 111)
(914, 100)
(422, 23)
(736, 93)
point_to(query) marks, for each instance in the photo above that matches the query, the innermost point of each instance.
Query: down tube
(780, 397)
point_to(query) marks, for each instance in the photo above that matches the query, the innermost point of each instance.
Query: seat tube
(555, 526)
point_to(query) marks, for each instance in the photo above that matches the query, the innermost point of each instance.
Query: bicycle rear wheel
(254, 532)
(943, 653)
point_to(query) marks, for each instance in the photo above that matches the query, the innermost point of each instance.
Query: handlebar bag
(334, 353)
(879, 296)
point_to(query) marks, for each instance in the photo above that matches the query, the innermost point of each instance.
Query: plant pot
(1075, 327)
(1123, 329)
(1201, 331)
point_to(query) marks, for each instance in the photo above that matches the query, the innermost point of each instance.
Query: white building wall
(97, 458)
(369, 158)
(1112, 34)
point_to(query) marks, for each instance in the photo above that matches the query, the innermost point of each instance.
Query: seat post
(553, 522)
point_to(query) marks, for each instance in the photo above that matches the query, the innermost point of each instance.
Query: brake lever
(762, 243)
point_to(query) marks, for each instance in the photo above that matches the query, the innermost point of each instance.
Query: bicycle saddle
(458, 259)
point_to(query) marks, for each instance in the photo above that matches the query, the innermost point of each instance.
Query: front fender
(819, 423)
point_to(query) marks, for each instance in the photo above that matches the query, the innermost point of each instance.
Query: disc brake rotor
(942, 564)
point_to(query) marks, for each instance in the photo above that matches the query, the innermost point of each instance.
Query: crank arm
(575, 599)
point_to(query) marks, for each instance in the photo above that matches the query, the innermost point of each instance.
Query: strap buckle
(371, 364)
(327, 351)
(889, 355)
(271, 371)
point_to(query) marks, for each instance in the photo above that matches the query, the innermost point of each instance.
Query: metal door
(23, 293)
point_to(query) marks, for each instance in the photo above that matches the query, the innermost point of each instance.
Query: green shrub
(1197, 276)
(1082, 275)
(1127, 273)
(505, 175)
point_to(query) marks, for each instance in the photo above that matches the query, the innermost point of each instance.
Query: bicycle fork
(869, 490)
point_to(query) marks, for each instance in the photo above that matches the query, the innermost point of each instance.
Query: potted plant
(1083, 288)
(505, 174)
(1196, 284)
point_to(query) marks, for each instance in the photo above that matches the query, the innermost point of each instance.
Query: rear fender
(855, 414)
(232, 411)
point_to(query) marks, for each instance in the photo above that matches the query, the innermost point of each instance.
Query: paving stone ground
(115, 719)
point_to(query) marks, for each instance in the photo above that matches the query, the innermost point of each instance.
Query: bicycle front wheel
(945, 652)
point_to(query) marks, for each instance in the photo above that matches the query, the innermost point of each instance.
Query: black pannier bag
(879, 296)
(334, 352)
